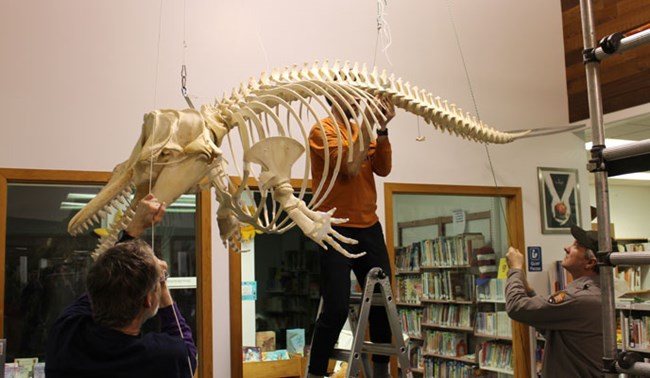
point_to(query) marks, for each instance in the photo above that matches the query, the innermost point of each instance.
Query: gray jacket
(571, 321)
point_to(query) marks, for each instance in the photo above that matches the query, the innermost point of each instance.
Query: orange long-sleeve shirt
(355, 197)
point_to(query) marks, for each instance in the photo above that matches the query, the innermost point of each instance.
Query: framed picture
(559, 199)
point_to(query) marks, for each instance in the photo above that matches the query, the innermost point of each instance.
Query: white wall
(78, 76)
(629, 208)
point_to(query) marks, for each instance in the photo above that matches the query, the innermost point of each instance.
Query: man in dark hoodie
(99, 334)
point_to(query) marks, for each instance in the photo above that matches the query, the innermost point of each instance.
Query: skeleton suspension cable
(478, 117)
(383, 31)
(246, 10)
(153, 238)
(155, 79)
(184, 67)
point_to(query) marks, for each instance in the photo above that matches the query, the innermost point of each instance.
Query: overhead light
(643, 176)
(72, 205)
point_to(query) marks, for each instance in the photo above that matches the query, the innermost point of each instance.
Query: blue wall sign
(249, 290)
(534, 259)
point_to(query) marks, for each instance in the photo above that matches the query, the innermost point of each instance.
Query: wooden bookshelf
(291, 368)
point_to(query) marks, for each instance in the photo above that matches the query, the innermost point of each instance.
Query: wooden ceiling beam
(625, 78)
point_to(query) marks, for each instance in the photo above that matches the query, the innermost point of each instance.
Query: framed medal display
(559, 199)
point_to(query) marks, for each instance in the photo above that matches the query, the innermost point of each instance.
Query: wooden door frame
(515, 222)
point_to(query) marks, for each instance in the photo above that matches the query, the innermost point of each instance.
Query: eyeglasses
(164, 277)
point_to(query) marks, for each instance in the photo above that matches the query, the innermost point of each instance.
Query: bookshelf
(633, 331)
(288, 292)
(452, 306)
(633, 307)
(447, 315)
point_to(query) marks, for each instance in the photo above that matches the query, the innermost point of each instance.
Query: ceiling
(633, 128)
(624, 78)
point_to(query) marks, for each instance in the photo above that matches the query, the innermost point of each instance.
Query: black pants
(335, 290)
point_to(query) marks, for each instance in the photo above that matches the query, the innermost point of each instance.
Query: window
(45, 268)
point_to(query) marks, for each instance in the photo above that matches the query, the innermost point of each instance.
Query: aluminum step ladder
(357, 356)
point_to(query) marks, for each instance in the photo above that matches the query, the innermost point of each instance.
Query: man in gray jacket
(570, 319)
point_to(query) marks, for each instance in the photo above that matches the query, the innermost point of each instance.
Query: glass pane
(414, 207)
(46, 267)
(285, 269)
(448, 283)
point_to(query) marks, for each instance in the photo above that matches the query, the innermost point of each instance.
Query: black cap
(588, 239)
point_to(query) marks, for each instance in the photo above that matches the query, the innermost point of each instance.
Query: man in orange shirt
(355, 197)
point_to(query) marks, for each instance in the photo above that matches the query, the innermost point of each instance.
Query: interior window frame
(203, 244)
(235, 290)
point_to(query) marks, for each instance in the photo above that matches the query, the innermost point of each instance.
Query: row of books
(449, 315)
(415, 355)
(494, 324)
(638, 331)
(492, 290)
(631, 275)
(409, 288)
(496, 356)
(444, 251)
(448, 285)
(558, 278)
(445, 343)
(411, 321)
(407, 258)
(255, 354)
(435, 367)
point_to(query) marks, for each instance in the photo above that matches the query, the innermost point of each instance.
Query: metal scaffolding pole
(626, 362)
(617, 43)
(602, 190)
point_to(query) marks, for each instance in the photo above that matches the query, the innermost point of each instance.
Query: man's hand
(165, 296)
(515, 258)
(148, 213)
(383, 110)
(387, 109)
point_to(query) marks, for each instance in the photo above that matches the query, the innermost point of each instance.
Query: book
(251, 354)
(558, 277)
(265, 340)
(471, 243)
(296, 340)
(486, 261)
(27, 363)
(503, 268)
(39, 370)
(3, 356)
(275, 355)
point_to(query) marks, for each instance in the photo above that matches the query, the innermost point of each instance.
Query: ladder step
(358, 316)
(377, 299)
(340, 355)
(383, 349)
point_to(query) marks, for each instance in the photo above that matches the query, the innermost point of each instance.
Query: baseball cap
(588, 239)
